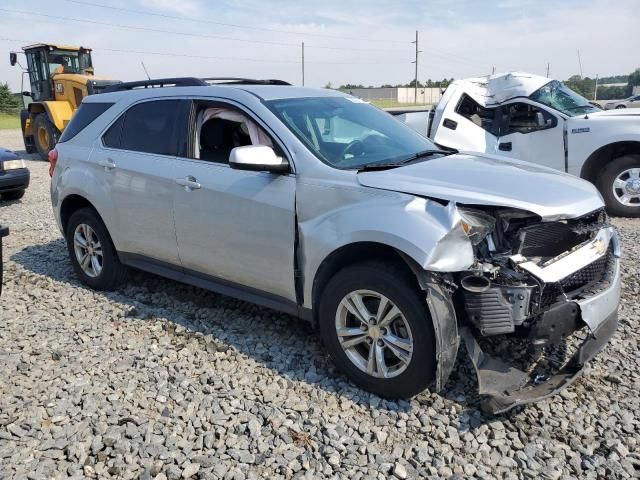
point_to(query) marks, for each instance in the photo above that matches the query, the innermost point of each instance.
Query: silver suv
(317, 204)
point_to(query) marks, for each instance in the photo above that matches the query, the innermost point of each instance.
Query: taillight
(53, 158)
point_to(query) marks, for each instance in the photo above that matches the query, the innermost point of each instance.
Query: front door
(136, 159)
(531, 133)
(232, 225)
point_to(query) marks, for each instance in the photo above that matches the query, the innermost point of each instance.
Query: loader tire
(45, 135)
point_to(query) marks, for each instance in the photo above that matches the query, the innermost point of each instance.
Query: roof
(263, 92)
(495, 89)
(59, 47)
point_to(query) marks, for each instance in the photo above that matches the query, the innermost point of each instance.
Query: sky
(346, 41)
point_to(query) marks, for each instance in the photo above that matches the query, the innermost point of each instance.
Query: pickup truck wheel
(619, 184)
(376, 327)
(92, 253)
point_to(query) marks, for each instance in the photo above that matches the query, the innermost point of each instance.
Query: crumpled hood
(491, 180)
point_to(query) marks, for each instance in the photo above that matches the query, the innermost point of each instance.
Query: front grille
(594, 277)
(551, 239)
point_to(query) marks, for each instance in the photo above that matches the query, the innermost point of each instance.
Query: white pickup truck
(542, 121)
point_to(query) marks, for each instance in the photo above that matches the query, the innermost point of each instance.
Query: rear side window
(151, 127)
(86, 114)
(114, 134)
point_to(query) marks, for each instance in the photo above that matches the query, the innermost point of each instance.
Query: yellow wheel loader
(60, 76)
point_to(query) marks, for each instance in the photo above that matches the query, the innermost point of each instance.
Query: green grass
(9, 121)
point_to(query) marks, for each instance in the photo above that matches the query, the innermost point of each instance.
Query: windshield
(557, 95)
(348, 133)
(68, 61)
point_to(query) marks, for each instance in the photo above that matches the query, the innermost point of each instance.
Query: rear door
(136, 161)
(234, 226)
(531, 133)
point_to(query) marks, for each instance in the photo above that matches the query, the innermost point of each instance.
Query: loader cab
(46, 61)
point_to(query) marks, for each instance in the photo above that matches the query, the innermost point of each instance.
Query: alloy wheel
(88, 250)
(626, 187)
(374, 333)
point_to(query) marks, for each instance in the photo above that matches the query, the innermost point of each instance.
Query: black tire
(14, 195)
(113, 273)
(28, 141)
(43, 123)
(606, 181)
(621, 106)
(402, 290)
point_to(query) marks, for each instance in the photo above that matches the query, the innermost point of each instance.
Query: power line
(233, 25)
(208, 57)
(187, 34)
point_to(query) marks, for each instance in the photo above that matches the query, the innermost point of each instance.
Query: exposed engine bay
(534, 279)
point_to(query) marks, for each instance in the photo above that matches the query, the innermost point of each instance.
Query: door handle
(108, 164)
(189, 183)
(505, 147)
(451, 124)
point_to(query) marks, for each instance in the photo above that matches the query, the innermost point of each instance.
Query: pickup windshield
(348, 133)
(557, 95)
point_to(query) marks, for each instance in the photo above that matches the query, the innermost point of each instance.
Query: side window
(220, 128)
(525, 118)
(113, 136)
(483, 117)
(153, 127)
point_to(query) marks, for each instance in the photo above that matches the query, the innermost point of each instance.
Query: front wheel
(376, 327)
(621, 106)
(13, 195)
(45, 135)
(619, 184)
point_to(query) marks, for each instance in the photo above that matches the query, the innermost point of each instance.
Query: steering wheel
(352, 145)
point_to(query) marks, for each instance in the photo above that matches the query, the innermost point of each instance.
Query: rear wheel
(621, 106)
(45, 135)
(619, 183)
(91, 251)
(15, 195)
(375, 325)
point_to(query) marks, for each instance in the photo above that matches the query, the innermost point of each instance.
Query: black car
(14, 175)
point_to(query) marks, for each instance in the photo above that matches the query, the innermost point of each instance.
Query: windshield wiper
(404, 161)
(580, 106)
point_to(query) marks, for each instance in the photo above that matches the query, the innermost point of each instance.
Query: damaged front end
(541, 282)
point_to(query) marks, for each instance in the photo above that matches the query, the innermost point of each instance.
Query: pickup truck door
(466, 125)
(234, 227)
(532, 133)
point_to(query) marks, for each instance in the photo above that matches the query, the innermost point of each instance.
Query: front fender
(426, 231)
(59, 112)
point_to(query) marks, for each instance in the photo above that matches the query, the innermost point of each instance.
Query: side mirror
(13, 58)
(259, 158)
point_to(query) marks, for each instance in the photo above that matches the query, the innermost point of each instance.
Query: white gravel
(162, 380)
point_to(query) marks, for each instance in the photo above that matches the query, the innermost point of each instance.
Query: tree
(328, 85)
(634, 78)
(9, 103)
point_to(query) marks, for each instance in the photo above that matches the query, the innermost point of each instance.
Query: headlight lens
(476, 224)
(13, 164)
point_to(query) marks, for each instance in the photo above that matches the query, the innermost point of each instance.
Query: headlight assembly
(476, 224)
(13, 164)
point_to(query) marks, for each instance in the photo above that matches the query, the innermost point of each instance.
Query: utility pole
(547, 69)
(493, 70)
(595, 93)
(580, 63)
(303, 64)
(415, 94)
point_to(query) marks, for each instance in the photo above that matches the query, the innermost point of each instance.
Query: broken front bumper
(505, 387)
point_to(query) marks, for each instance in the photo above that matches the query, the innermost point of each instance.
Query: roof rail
(244, 81)
(156, 83)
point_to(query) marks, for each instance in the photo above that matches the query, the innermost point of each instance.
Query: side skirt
(214, 284)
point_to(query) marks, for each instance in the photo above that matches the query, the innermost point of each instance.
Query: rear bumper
(505, 387)
(11, 180)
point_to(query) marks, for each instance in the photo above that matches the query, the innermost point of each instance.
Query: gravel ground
(162, 380)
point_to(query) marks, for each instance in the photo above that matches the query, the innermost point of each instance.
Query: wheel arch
(351, 254)
(600, 157)
(71, 204)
